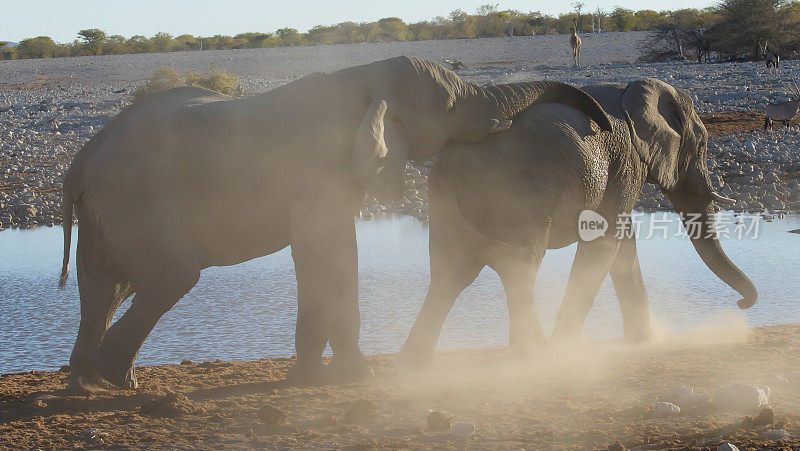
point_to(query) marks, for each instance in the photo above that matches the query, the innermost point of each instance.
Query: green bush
(215, 80)
(167, 78)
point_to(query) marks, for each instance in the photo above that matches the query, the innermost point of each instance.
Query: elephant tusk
(721, 199)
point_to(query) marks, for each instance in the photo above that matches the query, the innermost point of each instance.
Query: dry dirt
(585, 398)
(720, 124)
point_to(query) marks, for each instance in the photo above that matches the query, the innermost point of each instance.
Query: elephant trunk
(697, 215)
(506, 101)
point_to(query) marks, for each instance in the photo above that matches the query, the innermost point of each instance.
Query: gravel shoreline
(50, 108)
(589, 397)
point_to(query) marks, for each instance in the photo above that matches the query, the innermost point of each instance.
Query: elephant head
(672, 141)
(417, 107)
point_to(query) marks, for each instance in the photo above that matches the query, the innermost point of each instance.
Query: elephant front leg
(591, 265)
(628, 283)
(326, 264)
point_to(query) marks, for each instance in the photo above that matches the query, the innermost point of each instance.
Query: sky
(61, 19)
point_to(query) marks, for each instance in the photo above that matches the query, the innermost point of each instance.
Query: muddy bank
(592, 396)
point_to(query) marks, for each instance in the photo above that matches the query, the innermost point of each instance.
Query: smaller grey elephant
(506, 199)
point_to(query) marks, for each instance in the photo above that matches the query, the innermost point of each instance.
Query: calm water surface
(248, 311)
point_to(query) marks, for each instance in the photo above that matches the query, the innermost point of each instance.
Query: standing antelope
(771, 59)
(783, 111)
(575, 42)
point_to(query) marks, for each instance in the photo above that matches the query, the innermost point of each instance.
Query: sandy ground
(589, 397)
(726, 123)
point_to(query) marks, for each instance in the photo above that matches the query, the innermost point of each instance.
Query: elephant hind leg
(591, 266)
(517, 268)
(165, 271)
(101, 293)
(453, 268)
(525, 327)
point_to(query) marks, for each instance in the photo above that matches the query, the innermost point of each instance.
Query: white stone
(680, 395)
(665, 409)
(742, 397)
(775, 434)
(462, 430)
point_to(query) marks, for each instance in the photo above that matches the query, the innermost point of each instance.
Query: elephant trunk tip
(747, 302)
(749, 295)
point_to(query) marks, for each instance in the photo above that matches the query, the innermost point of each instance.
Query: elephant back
(608, 95)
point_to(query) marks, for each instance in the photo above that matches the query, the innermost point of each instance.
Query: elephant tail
(66, 220)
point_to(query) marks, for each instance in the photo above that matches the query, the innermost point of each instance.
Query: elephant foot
(345, 371)
(115, 370)
(83, 379)
(304, 374)
(409, 360)
(87, 385)
(565, 336)
(640, 335)
(530, 350)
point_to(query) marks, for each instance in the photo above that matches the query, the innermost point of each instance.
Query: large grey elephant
(188, 179)
(505, 200)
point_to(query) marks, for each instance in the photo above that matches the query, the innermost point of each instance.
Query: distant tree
(38, 47)
(622, 19)
(647, 19)
(93, 40)
(392, 29)
(423, 31)
(289, 36)
(493, 24)
(139, 44)
(321, 34)
(351, 33)
(599, 19)
(578, 8)
(486, 9)
(185, 42)
(7, 53)
(734, 29)
(463, 24)
(677, 36)
(250, 40)
(745, 25)
(115, 44)
(161, 42)
(563, 24)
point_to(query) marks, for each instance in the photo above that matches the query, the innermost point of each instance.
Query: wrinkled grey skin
(186, 179)
(505, 200)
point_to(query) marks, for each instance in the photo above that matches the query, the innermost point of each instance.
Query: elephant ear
(380, 152)
(657, 124)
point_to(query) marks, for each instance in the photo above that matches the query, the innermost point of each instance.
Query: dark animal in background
(455, 64)
(783, 112)
(771, 59)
